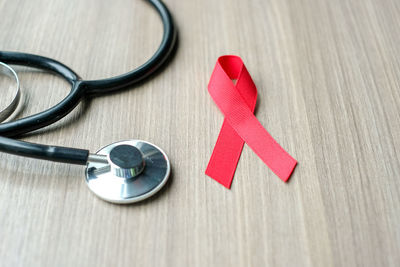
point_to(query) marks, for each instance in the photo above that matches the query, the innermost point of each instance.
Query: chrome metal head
(126, 161)
(127, 171)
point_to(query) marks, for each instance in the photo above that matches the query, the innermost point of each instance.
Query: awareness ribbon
(237, 102)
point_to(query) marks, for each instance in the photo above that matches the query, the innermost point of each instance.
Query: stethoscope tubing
(79, 89)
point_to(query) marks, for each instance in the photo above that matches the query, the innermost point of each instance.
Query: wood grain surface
(328, 75)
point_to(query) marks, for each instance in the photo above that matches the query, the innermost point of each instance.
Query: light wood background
(328, 75)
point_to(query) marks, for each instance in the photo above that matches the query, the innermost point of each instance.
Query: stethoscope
(122, 172)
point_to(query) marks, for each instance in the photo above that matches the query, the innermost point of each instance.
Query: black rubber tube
(79, 89)
(37, 151)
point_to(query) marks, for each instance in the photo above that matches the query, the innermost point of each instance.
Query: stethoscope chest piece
(127, 171)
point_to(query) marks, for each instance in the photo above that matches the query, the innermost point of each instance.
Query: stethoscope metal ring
(10, 108)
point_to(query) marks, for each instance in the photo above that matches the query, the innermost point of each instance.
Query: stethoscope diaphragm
(127, 171)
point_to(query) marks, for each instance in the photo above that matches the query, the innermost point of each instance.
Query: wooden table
(328, 76)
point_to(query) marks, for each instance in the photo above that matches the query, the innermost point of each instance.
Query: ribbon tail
(225, 156)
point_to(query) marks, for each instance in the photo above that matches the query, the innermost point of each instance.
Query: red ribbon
(237, 103)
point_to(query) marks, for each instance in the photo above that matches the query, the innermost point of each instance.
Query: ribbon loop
(237, 103)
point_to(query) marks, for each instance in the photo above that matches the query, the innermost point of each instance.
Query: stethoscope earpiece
(127, 171)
